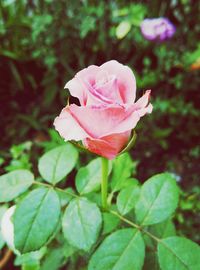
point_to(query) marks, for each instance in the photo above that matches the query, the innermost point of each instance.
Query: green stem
(104, 182)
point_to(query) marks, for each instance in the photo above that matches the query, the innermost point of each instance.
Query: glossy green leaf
(128, 182)
(163, 229)
(88, 178)
(158, 199)
(120, 174)
(81, 223)
(35, 266)
(65, 195)
(57, 256)
(58, 163)
(94, 197)
(127, 199)
(123, 249)
(36, 219)
(178, 253)
(53, 260)
(14, 183)
(110, 223)
(30, 258)
(160, 230)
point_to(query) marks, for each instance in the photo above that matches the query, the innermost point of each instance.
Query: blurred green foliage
(44, 43)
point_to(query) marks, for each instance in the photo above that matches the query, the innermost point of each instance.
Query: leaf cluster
(64, 226)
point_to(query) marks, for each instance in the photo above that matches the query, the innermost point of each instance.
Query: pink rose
(107, 112)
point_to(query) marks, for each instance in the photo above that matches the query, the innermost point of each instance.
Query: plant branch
(67, 192)
(135, 225)
(56, 188)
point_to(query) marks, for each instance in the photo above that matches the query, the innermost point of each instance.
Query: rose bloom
(107, 112)
(157, 29)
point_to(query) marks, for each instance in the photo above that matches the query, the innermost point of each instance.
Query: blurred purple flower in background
(157, 29)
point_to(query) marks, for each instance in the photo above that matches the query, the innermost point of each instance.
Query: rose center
(105, 82)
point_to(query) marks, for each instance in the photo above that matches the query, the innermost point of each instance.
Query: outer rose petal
(100, 121)
(76, 89)
(144, 100)
(68, 127)
(125, 77)
(142, 104)
(79, 85)
(108, 146)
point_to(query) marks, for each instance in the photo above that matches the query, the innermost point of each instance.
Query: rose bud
(157, 29)
(107, 112)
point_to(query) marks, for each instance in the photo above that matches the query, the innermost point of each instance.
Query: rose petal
(78, 123)
(144, 100)
(142, 105)
(78, 86)
(103, 121)
(125, 79)
(120, 86)
(145, 110)
(76, 89)
(68, 127)
(99, 121)
(106, 89)
(108, 146)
